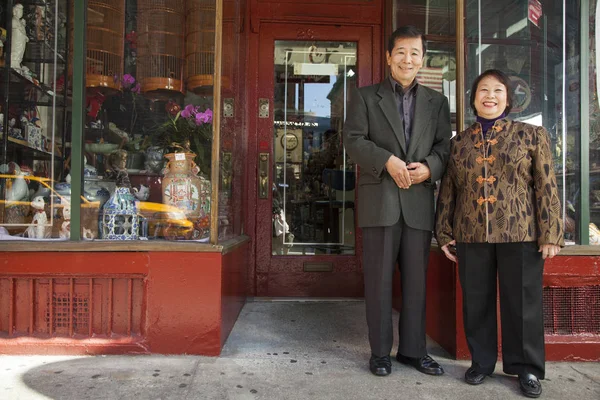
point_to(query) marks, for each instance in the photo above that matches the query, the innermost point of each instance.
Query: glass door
(313, 180)
(306, 241)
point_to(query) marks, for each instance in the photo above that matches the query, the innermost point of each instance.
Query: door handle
(263, 175)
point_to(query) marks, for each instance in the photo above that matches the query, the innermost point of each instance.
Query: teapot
(143, 193)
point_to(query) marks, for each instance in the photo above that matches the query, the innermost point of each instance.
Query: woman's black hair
(503, 78)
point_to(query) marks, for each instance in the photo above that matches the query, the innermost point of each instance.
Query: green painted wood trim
(584, 232)
(78, 115)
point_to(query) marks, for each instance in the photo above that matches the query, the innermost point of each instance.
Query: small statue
(19, 38)
(39, 221)
(183, 147)
(117, 162)
(65, 228)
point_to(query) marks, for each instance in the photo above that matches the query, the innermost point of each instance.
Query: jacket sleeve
(356, 136)
(548, 209)
(444, 213)
(440, 150)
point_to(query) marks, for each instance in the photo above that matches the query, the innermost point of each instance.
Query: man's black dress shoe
(530, 385)
(426, 364)
(473, 377)
(380, 366)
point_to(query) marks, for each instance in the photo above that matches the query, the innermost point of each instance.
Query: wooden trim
(78, 116)
(224, 247)
(216, 144)
(565, 251)
(232, 244)
(584, 124)
(580, 250)
(460, 65)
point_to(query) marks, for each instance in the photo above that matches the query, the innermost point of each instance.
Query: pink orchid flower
(188, 111)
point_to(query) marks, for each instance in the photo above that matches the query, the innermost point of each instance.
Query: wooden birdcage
(161, 39)
(105, 41)
(200, 44)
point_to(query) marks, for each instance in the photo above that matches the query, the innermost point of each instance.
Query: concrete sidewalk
(277, 350)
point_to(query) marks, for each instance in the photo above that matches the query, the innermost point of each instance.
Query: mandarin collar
(499, 125)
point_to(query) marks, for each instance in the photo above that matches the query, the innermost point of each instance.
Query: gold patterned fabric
(500, 187)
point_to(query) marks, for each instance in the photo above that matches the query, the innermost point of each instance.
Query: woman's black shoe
(530, 385)
(473, 377)
(380, 366)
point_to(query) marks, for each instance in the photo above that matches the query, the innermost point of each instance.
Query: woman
(499, 205)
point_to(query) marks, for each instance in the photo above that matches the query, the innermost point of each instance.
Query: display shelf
(23, 145)
(42, 88)
(38, 100)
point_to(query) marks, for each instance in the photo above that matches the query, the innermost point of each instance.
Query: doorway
(307, 244)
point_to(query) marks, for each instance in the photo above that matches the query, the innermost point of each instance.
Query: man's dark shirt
(405, 100)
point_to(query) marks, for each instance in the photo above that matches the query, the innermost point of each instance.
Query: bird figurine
(19, 190)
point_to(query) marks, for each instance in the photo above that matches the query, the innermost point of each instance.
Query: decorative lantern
(161, 35)
(105, 41)
(200, 43)
(120, 218)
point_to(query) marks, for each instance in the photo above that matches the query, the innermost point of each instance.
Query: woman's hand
(549, 250)
(450, 254)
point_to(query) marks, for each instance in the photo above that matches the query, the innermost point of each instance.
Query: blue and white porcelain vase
(120, 218)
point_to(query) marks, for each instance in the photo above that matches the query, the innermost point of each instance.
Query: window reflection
(432, 17)
(543, 65)
(313, 189)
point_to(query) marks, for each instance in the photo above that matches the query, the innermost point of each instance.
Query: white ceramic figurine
(65, 228)
(19, 38)
(40, 220)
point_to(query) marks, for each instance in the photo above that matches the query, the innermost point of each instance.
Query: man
(398, 132)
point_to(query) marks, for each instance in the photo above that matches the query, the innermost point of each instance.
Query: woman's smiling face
(490, 98)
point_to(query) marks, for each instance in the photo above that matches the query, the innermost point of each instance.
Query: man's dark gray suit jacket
(373, 131)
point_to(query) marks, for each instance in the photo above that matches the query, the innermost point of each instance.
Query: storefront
(203, 139)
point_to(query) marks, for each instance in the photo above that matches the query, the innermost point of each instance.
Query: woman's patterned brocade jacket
(500, 188)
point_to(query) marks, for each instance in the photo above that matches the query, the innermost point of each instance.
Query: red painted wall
(188, 302)
(444, 306)
(234, 277)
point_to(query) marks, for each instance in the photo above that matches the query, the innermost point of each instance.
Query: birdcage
(161, 39)
(200, 44)
(105, 41)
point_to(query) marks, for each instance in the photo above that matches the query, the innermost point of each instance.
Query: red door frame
(284, 275)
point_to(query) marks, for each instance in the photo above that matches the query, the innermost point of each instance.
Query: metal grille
(82, 306)
(61, 303)
(572, 310)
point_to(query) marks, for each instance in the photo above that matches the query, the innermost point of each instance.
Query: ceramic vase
(183, 188)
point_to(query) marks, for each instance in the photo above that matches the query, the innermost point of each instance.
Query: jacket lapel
(389, 108)
(422, 118)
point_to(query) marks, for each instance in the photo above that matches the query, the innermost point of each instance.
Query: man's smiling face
(406, 60)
